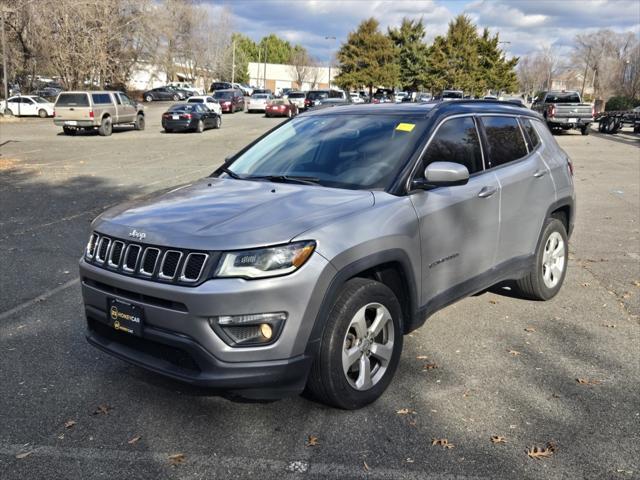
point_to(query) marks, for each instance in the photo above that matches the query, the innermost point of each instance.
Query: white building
(276, 76)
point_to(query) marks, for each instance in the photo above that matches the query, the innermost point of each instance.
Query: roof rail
(513, 102)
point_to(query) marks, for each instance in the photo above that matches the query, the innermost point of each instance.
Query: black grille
(149, 259)
(148, 262)
(116, 254)
(170, 264)
(103, 249)
(193, 266)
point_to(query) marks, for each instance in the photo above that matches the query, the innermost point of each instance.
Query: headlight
(265, 262)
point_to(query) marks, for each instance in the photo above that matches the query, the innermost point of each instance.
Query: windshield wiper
(287, 179)
(232, 174)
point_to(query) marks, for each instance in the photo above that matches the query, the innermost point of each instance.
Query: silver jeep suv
(304, 259)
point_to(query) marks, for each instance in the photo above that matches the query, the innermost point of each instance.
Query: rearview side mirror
(442, 174)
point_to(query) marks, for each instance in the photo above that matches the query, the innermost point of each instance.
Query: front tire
(42, 113)
(148, 98)
(545, 279)
(200, 126)
(139, 125)
(176, 98)
(360, 347)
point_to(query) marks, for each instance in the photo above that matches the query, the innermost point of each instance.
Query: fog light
(249, 330)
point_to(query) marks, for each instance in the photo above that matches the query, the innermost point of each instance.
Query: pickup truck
(74, 111)
(564, 110)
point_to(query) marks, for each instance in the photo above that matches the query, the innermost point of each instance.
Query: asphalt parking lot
(490, 365)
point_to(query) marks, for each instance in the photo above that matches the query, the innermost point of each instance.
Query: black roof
(430, 108)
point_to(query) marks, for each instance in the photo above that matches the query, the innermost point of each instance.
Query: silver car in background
(258, 102)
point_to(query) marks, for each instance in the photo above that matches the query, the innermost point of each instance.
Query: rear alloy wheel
(176, 97)
(106, 127)
(42, 113)
(546, 277)
(139, 125)
(200, 126)
(360, 347)
(148, 98)
(218, 122)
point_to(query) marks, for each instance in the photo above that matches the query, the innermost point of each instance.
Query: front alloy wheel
(368, 346)
(360, 346)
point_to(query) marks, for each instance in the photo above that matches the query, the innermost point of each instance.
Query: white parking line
(39, 298)
(214, 462)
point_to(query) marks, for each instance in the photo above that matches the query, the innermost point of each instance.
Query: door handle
(540, 173)
(486, 192)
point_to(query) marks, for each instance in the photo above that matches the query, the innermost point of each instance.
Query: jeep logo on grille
(136, 234)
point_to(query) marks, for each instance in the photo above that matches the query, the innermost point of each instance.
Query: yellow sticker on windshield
(406, 127)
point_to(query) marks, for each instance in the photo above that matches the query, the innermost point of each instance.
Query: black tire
(585, 130)
(218, 122)
(106, 127)
(8, 111)
(176, 97)
(533, 285)
(200, 126)
(327, 382)
(69, 131)
(148, 98)
(42, 113)
(139, 125)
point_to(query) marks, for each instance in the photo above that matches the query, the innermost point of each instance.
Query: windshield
(344, 151)
(223, 95)
(451, 94)
(73, 100)
(569, 97)
(316, 95)
(183, 108)
(195, 100)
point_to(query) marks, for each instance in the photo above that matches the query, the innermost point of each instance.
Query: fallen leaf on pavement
(443, 442)
(176, 459)
(365, 466)
(312, 441)
(530, 329)
(102, 410)
(586, 381)
(498, 439)
(514, 352)
(134, 440)
(586, 284)
(69, 423)
(405, 411)
(636, 283)
(538, 453)
(24, 454)
(429, 366)
(422, 357)
(608, 325)
(493, 302)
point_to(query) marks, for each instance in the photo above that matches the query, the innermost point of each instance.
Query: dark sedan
(162, 93)
(190, 116)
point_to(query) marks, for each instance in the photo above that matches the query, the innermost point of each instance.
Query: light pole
(330, 56)
(4, 63)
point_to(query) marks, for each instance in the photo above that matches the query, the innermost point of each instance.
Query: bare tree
(302, 66)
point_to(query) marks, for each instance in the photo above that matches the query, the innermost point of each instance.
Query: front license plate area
(125, 317)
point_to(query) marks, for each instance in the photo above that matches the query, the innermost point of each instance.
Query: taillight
(551, 111)
(186, 115)
(593, 110)
(90, 113)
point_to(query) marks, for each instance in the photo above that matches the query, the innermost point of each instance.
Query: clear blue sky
(527, 24)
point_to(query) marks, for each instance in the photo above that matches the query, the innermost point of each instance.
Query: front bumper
(178, 341)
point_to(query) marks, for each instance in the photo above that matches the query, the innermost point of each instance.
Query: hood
(227, 214)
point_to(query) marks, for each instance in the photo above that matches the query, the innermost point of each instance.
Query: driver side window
(455, 141)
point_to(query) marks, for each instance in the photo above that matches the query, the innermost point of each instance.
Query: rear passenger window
(532, 136)
(455, 141)
(101, 98)
(505, 140)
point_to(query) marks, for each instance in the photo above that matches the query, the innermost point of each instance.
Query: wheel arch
(391, 268)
